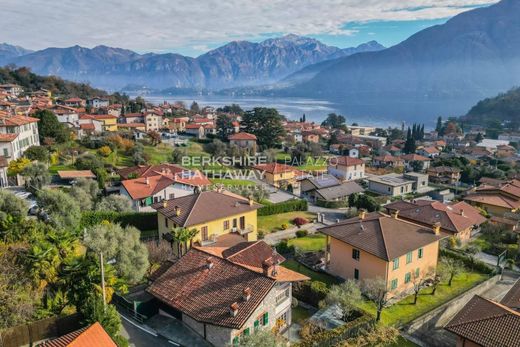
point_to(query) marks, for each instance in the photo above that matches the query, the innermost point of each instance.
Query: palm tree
(181, 236)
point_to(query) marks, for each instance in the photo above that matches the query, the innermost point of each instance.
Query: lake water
(373, 112)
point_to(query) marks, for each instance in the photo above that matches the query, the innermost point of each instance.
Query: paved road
(140, 338)
(491, 259)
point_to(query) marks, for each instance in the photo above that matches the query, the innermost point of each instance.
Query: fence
(31, 333)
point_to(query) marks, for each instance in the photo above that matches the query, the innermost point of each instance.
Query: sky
(192, 27)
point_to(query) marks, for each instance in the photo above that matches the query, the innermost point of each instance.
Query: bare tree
(418, 280)
(158, 252)
(448, 268)
(376, 290)
(346, 295)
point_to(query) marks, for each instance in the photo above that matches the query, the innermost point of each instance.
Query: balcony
(211, 240)
(245, 230)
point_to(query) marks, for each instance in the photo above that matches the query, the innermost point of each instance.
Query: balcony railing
(245, 230)
(212, 239)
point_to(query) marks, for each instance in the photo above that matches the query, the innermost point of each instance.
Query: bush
(37, 153)
(310, 292)
(284, 226)
(260, 235)
(283, 207)
(476, 265)
(299, 221)
(301, 233)
(104, 151)
(331, 204)
(140, 220)
(283, 247)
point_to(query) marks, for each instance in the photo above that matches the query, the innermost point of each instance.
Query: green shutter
(266, 318)
(256, 325)
(148, 201)
(235, 341)
(246, 332)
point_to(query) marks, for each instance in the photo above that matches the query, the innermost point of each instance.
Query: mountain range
(236, 64)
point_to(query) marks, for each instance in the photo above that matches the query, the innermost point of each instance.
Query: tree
(82, 197)
(266, 124)
(88, 161)
(116, 203)
(64, 212)
(88, 185)
(16, 166)
(158, 253)
(155, 137)
(261, 338)
(121, 244)
(418, 280)
(346, 295)
(375, 290)
(378, 335)
(471, 250)
(438, 128)
(93, 310)
(449, 268)
(224, 126)
(50, 127)
(409, 145)
(334, 121)
(38, 153)
(181, 236)
(195, 108)
(479, 138)
(12, 205)
(216, 148)
(36, 176)
(104, 151)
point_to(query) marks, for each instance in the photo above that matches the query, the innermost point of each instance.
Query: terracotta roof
(275, 168)
(512, 297)
(193, 126)
(131, 125)
(149, 170)
(382, 235)
(17, 120)
(387, 158)
(487, 323)
(93, 335)
(74, 100)
(132, 115)
(414, 157)
(345, 161)
(87, 126)
(68, 174)
(8, 137)
(454, 217)
(204, 207)
(206, 294)
(430, 150)
(494, 200)
(242, 136)
(144, 187)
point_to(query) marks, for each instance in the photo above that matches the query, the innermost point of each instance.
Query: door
(242, 222)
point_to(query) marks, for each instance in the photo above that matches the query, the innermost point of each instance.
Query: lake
(373, 112)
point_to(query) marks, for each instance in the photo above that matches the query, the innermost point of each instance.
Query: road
(139, 338)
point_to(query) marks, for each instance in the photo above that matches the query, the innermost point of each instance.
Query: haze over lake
(382, 113)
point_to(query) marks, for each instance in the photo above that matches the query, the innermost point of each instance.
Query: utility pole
(103, 281)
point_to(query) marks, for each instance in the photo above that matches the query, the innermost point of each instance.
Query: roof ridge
(243, 249)
(192, 207)
(383, 237)
(505, 308)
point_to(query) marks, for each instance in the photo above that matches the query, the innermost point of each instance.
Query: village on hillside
(203, 226)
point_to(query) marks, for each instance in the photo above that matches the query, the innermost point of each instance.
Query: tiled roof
(204, 207)
(206, 294)
(494, 200)
(242, 136)
(382, 235)
(17, 120)
(8, 137)
(512, 298)
(339, 191)
(346, 161)
(274, 168)
(87, 126)
(430, 150)
(149, 170)
(143, 187)
(387, 159)
(67, 174)
(487, 323)
(444, 169)
(414, 157)
(93, 335)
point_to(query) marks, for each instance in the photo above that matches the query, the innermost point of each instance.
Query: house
(243, 140)
(13, 90)
(212, 213)
(341, 149)
(67, 115)
(129, 118)
(505, 151)
(75, 102)
(491, 145)
(227, 293)
(153, 122)
(178, 124)
(196, 130)
(108, 122)
(375, 245)
(459, 219)
(391, 184)
(17, 133)
(506, 223)
(327, 188)
(361, 130)
(3, 172)
(496, 199)
(70, 175)
(280, 175)
(387, 161)
(98, 102)
(346, 168)
(93, 335)
(310, 137)
(444, 175)
(413, 162)
(156, 183)
(131, 127)
(487, 323)
(420, 181)
(429, 152)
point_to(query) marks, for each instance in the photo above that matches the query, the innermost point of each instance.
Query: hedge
(334, 336)
(331, 204)
(477, 265)
(283, 207)
(140, 220)
(310, 292)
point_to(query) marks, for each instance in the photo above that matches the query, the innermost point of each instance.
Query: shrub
(299, 221)
(284, 226)
(301, 233)
(283, 207)
(260, 234)
(104, 151)
(283, 247)
(476, 265)
(140, 220)
(331, 204)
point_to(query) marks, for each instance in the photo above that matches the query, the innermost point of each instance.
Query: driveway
(174, 330)
(137, 336)
(277, 236)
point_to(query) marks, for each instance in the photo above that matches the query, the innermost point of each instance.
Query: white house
(17, 133)
(346, 168)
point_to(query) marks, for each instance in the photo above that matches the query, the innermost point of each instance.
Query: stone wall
(429, 328)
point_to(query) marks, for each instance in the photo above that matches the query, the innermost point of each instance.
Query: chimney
(251, 201)
(265, 268)
(462, 212)
(246, 294)
(147, 181)
(395, 214)
(436, 228)
(209, 263)
(362, 214)
(165, 203)
(177, 211)
(233, 309)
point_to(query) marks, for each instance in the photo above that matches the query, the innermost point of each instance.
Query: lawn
(311, 243)
(158, 154)
(232, 182)
(53, 169)
(274, 222)
(300, 314)
(405, 311)
(314, 275)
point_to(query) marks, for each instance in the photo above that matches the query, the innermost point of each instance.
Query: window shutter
(266, 318)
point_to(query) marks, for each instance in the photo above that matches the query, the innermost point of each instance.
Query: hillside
(504, 108)
(32, 82)
(473, 55)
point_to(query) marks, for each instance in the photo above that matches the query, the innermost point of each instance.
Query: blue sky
(193, 27)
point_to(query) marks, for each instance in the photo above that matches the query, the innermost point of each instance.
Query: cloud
(158, 25)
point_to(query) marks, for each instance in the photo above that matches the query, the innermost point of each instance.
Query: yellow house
(217, 216)
(279, 175)
(109, 121)
(376, 245)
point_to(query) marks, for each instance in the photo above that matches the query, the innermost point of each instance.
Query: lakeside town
(127, 222)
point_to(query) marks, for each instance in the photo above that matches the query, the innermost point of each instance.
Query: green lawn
(232, 182)
(311, 243)
(158, 154)
(405, 311)
(314, 275)
(274, 222)
(53, 169)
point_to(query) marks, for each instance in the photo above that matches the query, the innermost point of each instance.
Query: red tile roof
(8, 137)
(149, 170)
(91, 336)
(414, 157)
(17, 120)
(242, 136)
(345, 161)
(275, 168)
(68, 174)
(144, 187)
(87, 126)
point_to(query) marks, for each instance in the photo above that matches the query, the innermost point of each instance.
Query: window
(172, 196)
(256, 325)
(417, 272)
(246, 332)
(165, 222)
(283, 318)
(226, 225)
(242, 222)
(393, 284)
(265, 319)
(204, 233)
(407, 277)
(409, 256)
(396, 264)
(355, 254)
(420, 253)
(356, 274)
